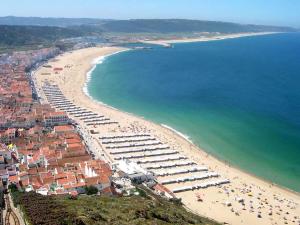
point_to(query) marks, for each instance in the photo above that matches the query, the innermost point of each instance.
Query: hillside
(21, 33)
(142, 25)
(175, 25)
(30, 37)
(56, 22)
(26, 35)
(94, 210)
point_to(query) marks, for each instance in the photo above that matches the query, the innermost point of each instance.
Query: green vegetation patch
(45, 210)
(18, 38)
(31, 35)
(94, 210)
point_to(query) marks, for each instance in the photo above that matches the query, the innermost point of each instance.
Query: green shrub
(91, 190)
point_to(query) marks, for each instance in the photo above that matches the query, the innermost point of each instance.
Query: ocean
(238, 99)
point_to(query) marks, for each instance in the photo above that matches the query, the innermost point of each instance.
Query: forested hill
(27, 35)
(20, 33)
(179, 25)
(143, 25)
(45, 21)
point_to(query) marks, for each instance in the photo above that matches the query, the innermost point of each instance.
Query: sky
(268, 12)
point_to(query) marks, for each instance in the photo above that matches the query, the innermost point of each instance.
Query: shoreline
(187, 138)
(94, 64)
(90, 66)
(168, 42)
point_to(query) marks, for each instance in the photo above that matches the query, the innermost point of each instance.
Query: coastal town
(57, 141)
(41, 148)
(149, 112)
(45, 149)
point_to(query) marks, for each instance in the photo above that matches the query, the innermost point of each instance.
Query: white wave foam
(98, 60)
(178, 132)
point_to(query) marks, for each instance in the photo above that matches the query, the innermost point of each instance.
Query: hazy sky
(273, 12)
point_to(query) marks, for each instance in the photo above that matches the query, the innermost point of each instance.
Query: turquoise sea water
(238, 99)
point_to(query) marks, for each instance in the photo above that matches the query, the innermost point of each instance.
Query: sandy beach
(167, 42)
(245, 200)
